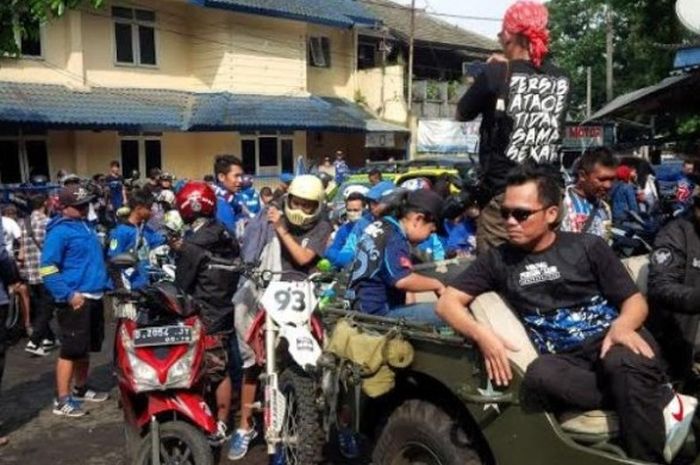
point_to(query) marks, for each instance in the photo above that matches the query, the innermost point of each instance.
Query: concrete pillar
(75, 64)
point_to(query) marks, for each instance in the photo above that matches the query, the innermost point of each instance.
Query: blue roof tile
(163, 110)
(336, 13)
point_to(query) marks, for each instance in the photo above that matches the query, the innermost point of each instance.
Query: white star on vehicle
(489, 392)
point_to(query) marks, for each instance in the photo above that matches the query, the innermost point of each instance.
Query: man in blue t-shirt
(134, 236)
(228, 170)
(354, 208)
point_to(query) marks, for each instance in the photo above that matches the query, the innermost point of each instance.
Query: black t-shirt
(565, 294)
(523, 110)
(315, 239)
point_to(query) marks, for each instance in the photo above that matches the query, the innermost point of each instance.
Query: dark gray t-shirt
(315, 239)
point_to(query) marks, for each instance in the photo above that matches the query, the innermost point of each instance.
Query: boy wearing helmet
(212, 288)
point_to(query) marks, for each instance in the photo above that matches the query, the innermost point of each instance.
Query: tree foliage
(21, 17)
(640, 26)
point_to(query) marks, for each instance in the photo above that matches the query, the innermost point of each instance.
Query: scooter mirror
(124, 260)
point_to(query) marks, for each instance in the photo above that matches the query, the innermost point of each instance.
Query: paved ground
(38, 437)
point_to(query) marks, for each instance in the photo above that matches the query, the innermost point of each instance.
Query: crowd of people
(544, 247)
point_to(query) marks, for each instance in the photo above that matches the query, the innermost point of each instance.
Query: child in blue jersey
(382, 272)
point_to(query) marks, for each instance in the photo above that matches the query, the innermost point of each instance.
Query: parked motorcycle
(159, 359)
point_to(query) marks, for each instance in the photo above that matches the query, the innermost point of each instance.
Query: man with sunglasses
(585, 211)
(674, 293)
(522, 100)
(74, 272)
(584, 314)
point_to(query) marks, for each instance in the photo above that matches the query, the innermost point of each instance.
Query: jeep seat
(489, 309)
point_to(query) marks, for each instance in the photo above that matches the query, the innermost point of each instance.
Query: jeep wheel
(420, 433)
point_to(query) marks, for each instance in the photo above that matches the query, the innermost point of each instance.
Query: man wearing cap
(674, 292)
(374, 212)
(382, 271)
(74, 272)
(522, 101)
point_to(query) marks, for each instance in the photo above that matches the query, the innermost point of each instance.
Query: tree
(23, 17)
(578, 41)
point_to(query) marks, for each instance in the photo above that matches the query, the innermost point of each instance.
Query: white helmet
(166, 196)
(355, 188)
(172, 221)
(307, 187)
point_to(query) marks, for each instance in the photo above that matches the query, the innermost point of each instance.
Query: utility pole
(588, 91)
(410, 55)
(609, 33)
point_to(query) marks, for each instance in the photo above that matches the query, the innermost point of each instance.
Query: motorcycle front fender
(188, 404)
(303, 347)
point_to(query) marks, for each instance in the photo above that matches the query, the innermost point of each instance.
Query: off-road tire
(196, 441)
(309, 448)
(426, 428)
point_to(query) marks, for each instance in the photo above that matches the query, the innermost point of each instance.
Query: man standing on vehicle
(115, 185)
(584, 210)
(341, 168)
(585, 315)
(522, 101)
(211, 288)
(74, 272)
(674, 293)
(228, 170)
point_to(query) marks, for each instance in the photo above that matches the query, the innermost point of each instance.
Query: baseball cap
(286, 177)
(377, 191)
(427, 202)
(74, 195)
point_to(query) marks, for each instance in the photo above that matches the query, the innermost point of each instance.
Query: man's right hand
(495, 350)
(77, 301)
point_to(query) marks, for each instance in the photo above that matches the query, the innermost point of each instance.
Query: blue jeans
(418, 313)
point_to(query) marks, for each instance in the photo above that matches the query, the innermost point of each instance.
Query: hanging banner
(446, 136)
(380, 140)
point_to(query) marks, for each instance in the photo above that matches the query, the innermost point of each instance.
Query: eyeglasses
(519, 214)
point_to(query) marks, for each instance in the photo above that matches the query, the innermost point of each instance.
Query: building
(172, 83)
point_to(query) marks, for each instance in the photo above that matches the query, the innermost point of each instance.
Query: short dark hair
(209, 178)
(223, 163)
(37, 201)
(355, 196)
(140, 198)
(374, 172)
(548, 188)
(265, 191)
(115, 163)
(596, 156)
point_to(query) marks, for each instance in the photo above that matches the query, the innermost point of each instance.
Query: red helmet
(194, 200)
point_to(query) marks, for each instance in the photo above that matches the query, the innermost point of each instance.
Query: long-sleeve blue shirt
(123, 239)
(624, 199)
(341, 237)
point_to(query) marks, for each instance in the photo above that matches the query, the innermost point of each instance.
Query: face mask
(354, 216)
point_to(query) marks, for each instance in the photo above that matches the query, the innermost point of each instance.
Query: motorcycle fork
(155, 440)
(271, 386)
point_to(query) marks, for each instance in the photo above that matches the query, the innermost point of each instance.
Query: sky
(481, 8)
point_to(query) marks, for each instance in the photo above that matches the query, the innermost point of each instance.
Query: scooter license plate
(162, 336)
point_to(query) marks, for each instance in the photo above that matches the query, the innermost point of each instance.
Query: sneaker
(678, 416)
(240, 442)
(347, 443)
(68, 407)
(85, 394)
(221, 434)
(48, 344)
(33, 349)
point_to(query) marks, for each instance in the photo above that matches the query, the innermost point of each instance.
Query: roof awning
(53, 106)
(679, 94)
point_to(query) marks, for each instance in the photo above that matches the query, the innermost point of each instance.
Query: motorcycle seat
(491, 310)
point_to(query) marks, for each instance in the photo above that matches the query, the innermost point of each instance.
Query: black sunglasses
(519, 214)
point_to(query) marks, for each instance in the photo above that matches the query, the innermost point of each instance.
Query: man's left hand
(630, 338)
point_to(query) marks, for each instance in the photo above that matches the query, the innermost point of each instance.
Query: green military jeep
(441, 410)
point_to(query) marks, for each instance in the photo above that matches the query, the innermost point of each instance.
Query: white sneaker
(678, 417)
(35, 349)
(221, 435)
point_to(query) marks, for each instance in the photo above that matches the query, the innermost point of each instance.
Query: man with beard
(674, 292)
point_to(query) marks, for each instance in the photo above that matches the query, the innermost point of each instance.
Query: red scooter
(159, 360)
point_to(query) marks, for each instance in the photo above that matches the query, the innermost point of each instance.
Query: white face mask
(354, 216)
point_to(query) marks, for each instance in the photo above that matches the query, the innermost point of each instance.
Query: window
(366, 56)
(22, 156)
(140, 153)
(267, 154)
(134, 36)
(320, 52)
(28, 34)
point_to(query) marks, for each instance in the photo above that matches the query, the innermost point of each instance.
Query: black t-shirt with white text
(523, 110)
(565, 294)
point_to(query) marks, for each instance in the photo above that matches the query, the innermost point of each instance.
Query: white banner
(446, 136)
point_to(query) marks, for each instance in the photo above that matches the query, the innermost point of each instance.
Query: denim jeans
(418, 313)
